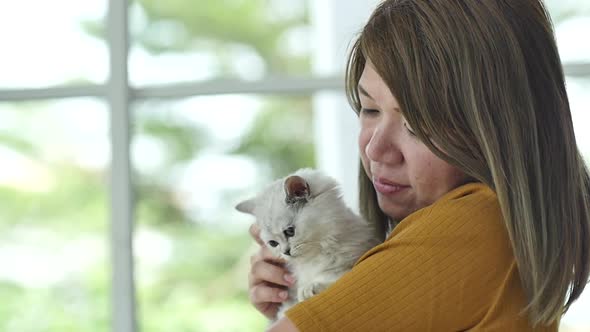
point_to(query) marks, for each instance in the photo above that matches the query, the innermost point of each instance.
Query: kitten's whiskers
(302, 247)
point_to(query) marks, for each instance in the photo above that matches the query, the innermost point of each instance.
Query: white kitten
(304, 220)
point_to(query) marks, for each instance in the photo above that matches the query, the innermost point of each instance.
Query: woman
(466, 140)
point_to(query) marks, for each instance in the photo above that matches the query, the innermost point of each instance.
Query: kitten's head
(290, 224)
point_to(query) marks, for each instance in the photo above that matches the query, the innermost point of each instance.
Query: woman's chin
(395, 212)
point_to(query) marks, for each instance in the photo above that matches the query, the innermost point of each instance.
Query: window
(120, 188)
(196, 158)
(51, 43)
(53, 223)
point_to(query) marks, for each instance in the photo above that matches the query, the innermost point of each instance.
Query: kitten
(304, 220)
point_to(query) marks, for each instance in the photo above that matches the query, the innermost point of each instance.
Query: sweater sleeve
(444, 268)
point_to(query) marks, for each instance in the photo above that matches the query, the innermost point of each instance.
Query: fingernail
(289, 278)
(283, 294)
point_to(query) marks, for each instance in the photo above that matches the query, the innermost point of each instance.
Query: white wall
(335, 24)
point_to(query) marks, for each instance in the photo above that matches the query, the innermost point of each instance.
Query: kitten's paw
(304, 293)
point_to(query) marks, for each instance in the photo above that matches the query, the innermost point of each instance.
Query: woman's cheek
(365, 136)
(363, 141)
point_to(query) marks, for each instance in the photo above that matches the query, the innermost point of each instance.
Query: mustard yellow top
(446, 267)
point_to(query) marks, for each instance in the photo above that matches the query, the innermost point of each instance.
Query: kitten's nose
(288, 252)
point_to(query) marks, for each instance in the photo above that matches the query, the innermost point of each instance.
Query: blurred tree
(282, 141)
(199, 282)
(217, 27)
(180, 142)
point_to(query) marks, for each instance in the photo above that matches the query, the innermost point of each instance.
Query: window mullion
(123, 309)
(52, 93)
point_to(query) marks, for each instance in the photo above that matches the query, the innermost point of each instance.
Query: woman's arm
(283, 325)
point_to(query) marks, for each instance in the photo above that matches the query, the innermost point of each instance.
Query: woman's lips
(388, 188)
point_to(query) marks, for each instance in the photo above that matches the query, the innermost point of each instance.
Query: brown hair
(490, 72)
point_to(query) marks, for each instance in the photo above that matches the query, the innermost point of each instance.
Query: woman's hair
(481, 84)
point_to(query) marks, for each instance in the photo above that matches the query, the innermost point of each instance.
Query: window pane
(48, 43)
(53, 221)
(196, 159)
(191, 40)
(577, 318)
(577, 89)
(571, 19)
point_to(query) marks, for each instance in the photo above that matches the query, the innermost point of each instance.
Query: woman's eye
(273, 243)
(369, 111)
(289, 231)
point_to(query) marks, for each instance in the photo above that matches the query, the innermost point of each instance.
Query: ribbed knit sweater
(446, 267)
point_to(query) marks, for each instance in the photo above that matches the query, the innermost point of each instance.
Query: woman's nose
(383, 146)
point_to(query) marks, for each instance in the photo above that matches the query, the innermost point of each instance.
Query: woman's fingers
(268, 279)
(258, 297)
(264, 254)
(263, 271)
(265, 293)
(255, 233)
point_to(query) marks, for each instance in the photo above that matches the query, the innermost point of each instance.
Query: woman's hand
(268, 279)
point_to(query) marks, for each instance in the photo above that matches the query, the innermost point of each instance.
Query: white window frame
(334, 24)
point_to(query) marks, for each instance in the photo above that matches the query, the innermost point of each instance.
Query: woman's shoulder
(466, 222)
(473, 191)
(464, 209)
(466, 200)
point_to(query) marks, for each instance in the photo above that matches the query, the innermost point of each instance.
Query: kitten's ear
(246, 206)
(296, 190)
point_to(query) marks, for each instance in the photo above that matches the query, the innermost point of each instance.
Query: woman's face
(406, 175)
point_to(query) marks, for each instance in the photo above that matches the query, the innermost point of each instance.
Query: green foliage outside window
(191, 268)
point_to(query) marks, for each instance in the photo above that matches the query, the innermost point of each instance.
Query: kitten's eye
(273, 243)
(289, 231)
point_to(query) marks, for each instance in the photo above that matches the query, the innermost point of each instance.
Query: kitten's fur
(327, 237)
